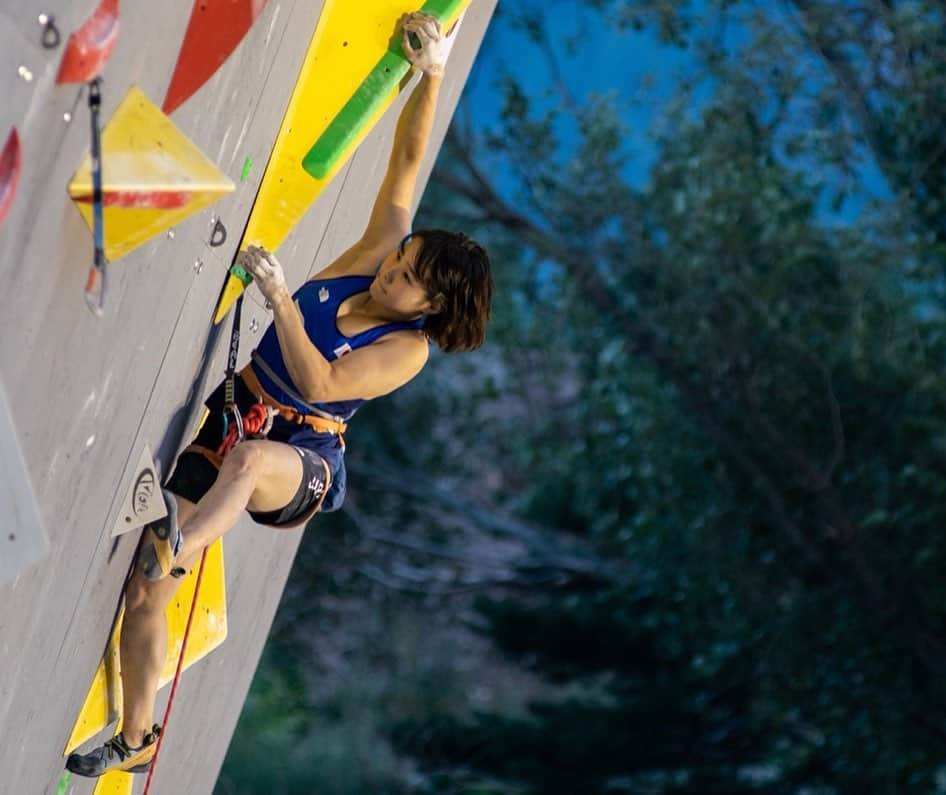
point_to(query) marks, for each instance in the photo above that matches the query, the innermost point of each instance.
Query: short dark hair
(455, 270)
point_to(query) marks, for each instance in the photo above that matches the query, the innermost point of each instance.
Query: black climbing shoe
(116, 755)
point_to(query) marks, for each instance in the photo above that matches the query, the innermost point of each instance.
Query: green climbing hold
(241, 274)
(247, 166)
(64, 783)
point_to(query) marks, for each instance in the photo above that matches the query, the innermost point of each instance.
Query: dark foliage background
(677, 528)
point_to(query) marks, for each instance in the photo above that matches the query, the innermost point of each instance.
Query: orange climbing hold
(142, 199)
(89, 48)
(215, 29)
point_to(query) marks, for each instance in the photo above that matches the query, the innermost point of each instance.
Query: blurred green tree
(734, 397)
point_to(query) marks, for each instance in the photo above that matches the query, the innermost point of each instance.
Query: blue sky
(634, 66)
(641, 72)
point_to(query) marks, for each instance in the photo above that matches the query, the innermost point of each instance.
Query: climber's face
(396, 285)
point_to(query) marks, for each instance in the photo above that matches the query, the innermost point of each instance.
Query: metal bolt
(198, 266)
(25, 73)
(67, 117)
(254, 326)
(42, 19)
(170, 234)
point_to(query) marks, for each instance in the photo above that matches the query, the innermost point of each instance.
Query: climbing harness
(259, 419)
(320, 421)
(95, 284)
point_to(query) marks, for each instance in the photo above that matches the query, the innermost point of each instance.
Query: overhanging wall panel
(87, 394)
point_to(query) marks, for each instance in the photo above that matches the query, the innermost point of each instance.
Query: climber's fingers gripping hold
(428, 56)
(266, 272)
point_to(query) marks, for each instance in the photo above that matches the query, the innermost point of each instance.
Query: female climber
(358, 331)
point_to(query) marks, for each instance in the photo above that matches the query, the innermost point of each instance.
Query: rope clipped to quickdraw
(95, 284)
(236, 427)
(177, 673)
(258, 420)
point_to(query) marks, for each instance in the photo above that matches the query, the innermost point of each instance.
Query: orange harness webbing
(257, 418)
(319, 424)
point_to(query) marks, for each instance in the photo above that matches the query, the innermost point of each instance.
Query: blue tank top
(318, 301)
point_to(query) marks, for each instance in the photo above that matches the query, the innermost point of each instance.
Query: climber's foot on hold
(116, 754)
(162, 545)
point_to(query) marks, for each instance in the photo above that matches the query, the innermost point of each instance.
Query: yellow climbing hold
(153, 177)
(114, 783)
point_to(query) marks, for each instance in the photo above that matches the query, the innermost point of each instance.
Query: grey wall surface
(87, 394)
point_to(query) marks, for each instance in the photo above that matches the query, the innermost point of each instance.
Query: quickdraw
(95, 284)
(231, 412)
(258, 421)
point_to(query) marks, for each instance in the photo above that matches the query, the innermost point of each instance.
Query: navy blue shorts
(194, 474)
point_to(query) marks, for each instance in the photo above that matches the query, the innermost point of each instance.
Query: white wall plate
(143, 502)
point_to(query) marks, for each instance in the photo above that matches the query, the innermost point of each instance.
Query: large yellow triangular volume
(153, 177)
(103, 704)
(347, 43)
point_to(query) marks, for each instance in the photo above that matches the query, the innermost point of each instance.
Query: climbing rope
(236, 427)
(177, 673)
(258, 420)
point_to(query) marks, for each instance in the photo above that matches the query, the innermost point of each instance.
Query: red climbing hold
(9, 172)
(215, 29)
(140, 199)
(90, 46)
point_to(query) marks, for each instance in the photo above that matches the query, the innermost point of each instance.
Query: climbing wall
(88, 398)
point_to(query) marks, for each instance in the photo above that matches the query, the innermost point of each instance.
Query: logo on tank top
(342, 350)
(323, 295)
